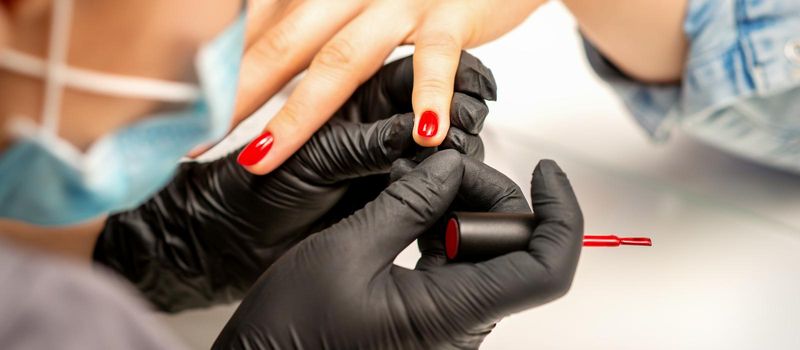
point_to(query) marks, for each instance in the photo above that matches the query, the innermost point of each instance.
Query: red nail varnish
(256, 150)
(451, 239)
(428, 124)
(643, 241)
(614, 241)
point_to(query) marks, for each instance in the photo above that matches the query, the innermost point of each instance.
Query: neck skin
(75, 242)
(151, 39)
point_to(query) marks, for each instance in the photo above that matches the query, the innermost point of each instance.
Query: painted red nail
(256, 150)
(428, 124)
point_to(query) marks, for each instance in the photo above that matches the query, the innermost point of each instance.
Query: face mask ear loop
(58, 48)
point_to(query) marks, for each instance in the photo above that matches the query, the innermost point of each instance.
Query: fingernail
(256, 150)
(428, 124)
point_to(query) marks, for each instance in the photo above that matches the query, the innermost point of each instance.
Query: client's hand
(338, 289)
(210, 233)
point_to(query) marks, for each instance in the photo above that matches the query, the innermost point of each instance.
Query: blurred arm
(643, 38)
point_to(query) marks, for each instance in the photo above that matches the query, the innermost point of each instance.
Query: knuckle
(393, 135)
(559, 287)
(337, 56)
(277, 44)
(412, 196)
(552, 283)
(476, 149)
(440, 41)
(468, 113)
(292, 115)
(427, 86)
(468, 145)
(424, 193)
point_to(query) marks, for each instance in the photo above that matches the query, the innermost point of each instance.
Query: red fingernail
(428, 124)
(256, 150)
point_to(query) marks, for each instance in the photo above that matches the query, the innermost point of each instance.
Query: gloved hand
(338, 289)
(215, 228)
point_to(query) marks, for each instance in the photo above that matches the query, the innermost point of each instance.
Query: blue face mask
(45, 180)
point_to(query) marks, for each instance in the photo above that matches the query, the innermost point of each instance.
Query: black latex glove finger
(483, 189)
(343, 150)
(475, 79)
(408, 207)
(430, 244)
(464, 143)
(468, 113)
(365, 188)
(521, 280)
(431, 248)
(388, 92)
(402, 167)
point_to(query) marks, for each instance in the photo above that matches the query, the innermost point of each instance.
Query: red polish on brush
(614, 241)
(482, 236)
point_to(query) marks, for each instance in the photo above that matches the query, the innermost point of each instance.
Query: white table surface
(725, 269)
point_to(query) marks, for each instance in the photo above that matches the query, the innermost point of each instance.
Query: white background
(725, 269)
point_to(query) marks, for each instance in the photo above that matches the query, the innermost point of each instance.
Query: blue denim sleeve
(652, 105)
(738, 50)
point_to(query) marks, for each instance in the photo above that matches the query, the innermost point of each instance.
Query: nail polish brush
(482, 236)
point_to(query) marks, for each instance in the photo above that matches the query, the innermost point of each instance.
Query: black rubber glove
(215, 228)
(339, 289)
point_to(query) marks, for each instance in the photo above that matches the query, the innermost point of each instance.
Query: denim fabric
(741, 86)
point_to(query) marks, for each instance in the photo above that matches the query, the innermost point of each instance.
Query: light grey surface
(51, 303)
(723, 273)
